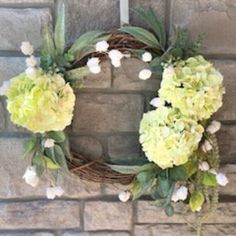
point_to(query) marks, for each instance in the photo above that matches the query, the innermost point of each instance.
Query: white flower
(168, 71)
(124, 196)
(145, 74)
(27, 48)
(115, 55)
(147, 57)
(199, 209)
(30, 176)
(157, 102)
(49, 143)
(212, 171)
(4, 87)
(53, 192)
(93, 65)
(180, 194)
(116, 63)
(206, 146)
(222, 179)
(31, 61)
(30, 71)
(204, 166)
(102, 46)
(213, 127)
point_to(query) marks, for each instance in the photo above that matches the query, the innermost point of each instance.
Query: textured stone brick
(11, 2)
(179, 230)
(147, 212)
(126, 77)
(2, 117)
(227, 138)
(12, 169)
(88, 146)
(107, 112)
(228, 70)
(96, 234)
(40, 214)
(157, 5)
(107, 216)
(101, 80)
(215, 18)
(91, 15)
(123, 146)
(26, 234)
(115, 189)
(11, 66)
(19, 25)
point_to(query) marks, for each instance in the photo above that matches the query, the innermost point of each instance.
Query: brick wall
(108, 111)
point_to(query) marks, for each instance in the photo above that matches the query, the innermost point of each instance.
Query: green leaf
(29, 146)
(50, 153)
(191, 167)
(196, 201)
(178, 173)
(164, 187)
(154, 23)
(169, 210)
(145, 176)
(142, 35)
(58, 136)
(59, 32)
(209, 179)
(160, 203)
(50, 164)
(37, 161)
(60, 157)
(65, 146)
(78, 73)
(155, 65)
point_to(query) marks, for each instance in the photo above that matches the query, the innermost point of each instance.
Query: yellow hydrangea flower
(169, 138)
(42, 103)
(194, 86)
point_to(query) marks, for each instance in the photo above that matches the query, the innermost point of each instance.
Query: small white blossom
(168, 71)
(127, 55)
(115, 55)
(93, 65)
(180, 194)
(95, 69)
(30, 71)
(206, 146)
(213, 127)
(145, 74)
(31, 61)
(102, 46)
(4, 87)
(212, 171)
(27, 48)
(30, 176)
(157, 102)
(147, 57)
(49, 143)
(222, 179)
(53, 192)
(204, 166)
(124, 196)
(199, 209)
(116, 63)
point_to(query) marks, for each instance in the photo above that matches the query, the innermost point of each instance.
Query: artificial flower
(93, 65)
(144, 74)
(102, 46)
(157, 102)
(180, 194)
(212, 171)
(31, 61)
(30, 176)
(53, 192)
(147, 57)
(115, 56)
(168, 137)
(196, 201)
(214, 127)
(49, 143)
(27, 48)
(194, 86)
(204, 166)
(222, 179)
(206, 146)
(124, 196)
(31, 72)
(4, 88)
(42, 104)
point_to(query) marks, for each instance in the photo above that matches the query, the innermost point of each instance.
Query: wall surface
(108, 111)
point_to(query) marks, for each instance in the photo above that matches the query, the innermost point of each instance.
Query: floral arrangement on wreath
(181, 159)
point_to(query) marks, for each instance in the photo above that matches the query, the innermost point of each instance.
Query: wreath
(181, 155)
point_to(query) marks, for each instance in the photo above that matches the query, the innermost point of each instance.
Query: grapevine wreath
(181, 156)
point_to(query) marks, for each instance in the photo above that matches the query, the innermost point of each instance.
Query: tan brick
(126, 76)
(215, 18)
(40, 214)
(26, 234)
(96, 234)
(107, 216)
(107, 112)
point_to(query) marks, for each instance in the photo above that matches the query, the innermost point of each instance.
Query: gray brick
(12, 169)
(14, 2)
(126, 77)
(2, 117)
(215, 18)
(22, 25)
(228, 110)
(96, 234)
(107, 112)
(40, 214)
(107, 216)
(26, 234)
(88, 15)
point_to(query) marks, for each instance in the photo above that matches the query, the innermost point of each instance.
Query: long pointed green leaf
(78, 73)
(142, 35)
(59, 33)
